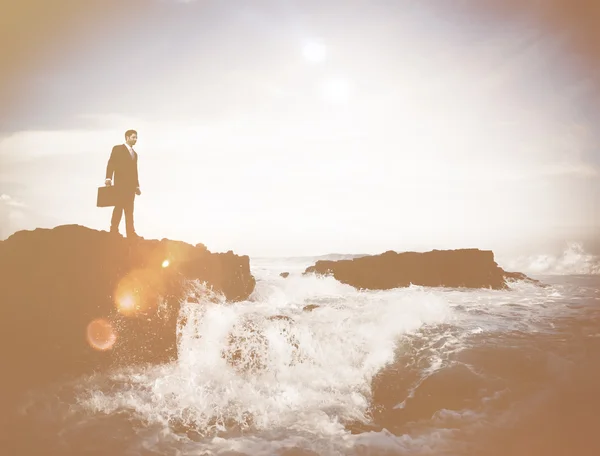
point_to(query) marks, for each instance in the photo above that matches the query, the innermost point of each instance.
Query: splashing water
(311, 366)
(265, 366)
(573, 260)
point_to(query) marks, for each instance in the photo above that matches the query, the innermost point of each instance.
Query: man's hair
(128, 133)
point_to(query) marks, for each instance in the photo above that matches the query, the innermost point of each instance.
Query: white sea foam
(573, 260)
(267, 364)
(266, 374)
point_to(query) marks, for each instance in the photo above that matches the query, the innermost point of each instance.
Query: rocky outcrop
(76, 300)
(468, 268)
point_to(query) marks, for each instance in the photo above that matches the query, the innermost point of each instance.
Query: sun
(314, 51)
(336, 89)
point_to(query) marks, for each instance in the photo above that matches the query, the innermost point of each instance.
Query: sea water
(308, 366)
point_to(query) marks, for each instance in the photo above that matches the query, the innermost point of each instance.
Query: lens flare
(166, 263)
(100, 334)
(137, 293)
(126, 304)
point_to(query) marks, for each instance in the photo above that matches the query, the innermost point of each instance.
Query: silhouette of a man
(123, 163)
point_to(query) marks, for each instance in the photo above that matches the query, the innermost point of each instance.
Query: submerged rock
(77, 300)
(249, 347)
(310, 307)
(468, 268)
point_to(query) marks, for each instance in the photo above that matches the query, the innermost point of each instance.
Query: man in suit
(123, 163)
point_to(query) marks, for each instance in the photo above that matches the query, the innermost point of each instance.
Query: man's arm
(110, 167)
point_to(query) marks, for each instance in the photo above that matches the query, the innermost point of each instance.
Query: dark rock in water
(310, 307)
(77, 300)
(468, 268)
(520, 277)
(284, 274)
(279, 317)
(247, 349)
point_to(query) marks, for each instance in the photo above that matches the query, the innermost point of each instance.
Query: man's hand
(138, 191)
(108, 182)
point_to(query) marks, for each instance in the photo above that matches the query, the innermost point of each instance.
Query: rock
(279, 317)
(248, 347)
(310, 307)
(520, 277)
(468, 268)
(284, 274)
(77, 300)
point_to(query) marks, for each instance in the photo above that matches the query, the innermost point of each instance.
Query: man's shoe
(134, 236)
(115, 233)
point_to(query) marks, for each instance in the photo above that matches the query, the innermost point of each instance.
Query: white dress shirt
(130, 149)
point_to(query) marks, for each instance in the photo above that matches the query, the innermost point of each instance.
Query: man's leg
(128, 208)
(116, 218)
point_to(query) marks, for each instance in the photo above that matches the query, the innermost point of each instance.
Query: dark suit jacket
(124, 168)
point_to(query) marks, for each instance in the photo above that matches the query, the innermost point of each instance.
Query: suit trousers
(124, 204)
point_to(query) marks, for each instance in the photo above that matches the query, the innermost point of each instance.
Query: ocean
(309, 366)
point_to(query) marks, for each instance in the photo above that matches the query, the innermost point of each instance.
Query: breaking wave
(574, 260)
(310, 366)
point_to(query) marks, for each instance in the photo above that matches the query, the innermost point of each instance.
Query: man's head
(131, 137)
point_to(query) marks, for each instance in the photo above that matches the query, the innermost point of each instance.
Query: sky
(288, 127)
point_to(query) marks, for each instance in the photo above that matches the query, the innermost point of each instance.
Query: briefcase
(107, 196)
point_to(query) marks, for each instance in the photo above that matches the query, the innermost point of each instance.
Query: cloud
(571, 169)
(451, 122)
(9, 201)
(101, 133)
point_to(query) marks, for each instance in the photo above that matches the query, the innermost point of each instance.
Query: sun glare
(336, 89)
(166, 263)
(314, 52)
(126, 304)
